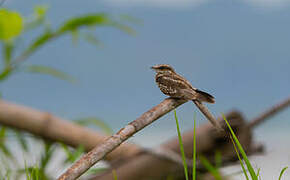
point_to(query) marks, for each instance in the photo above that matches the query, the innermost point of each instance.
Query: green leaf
(7, 48)
(181, 147)
(21, 139)
(194, 149)
(37, 19)
(50, 71)
(88, 20)
(72, 156)
(89, 37)
(114, 175)
(94, 121)
(218, 159)
(239, 146)
(214, 171)
(123, 27)
(39, 41)
(11, 24)
(5, 73)
(46, 155)
(40, 10)
(75, 36)
(240, 159)
(94, 171)
(3, 146)
(282, 172)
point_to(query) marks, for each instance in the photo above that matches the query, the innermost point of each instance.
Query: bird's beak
(153, 67)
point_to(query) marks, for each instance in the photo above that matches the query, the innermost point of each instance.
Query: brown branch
(50, 127)
(208, 115)
(99, 152)
(147, 166)
(269, 113)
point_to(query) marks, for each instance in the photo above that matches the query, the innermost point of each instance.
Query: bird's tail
(204, 97)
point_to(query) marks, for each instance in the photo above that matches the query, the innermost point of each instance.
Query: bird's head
(163, 68)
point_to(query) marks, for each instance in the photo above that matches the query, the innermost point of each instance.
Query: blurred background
(238, 51)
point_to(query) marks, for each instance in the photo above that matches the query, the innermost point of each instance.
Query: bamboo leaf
(50, 71)
(88, 20)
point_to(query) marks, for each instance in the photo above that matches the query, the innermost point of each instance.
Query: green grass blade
(258, 172)
(114, 175)
(210, 168)
(218, 159)
(249, 166)
(282, 172)
(181, 147)
(241, 161)
(194, 149)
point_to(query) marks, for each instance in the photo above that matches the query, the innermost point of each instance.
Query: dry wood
(47, 126)
(158, 168)
(50, 127)
(147, 166)
(208, 115)
(269, 113)
(100, 151)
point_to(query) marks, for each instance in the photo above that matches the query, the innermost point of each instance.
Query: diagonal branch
(208, 115)
(99, 152)
(48, 126)
(269, 113)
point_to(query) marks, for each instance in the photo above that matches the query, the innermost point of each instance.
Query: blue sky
(236, 50)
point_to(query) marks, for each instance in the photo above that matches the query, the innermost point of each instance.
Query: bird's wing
(172, 81)
(185, 81)
(175, 86)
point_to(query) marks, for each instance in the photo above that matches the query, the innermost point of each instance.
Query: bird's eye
(162, 68)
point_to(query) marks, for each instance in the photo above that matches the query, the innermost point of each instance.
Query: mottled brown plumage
(174, 85)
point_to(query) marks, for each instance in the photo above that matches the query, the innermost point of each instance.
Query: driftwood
(53, 128)
(147, 166)
(56, 129)
(100, 151)
(37, 123)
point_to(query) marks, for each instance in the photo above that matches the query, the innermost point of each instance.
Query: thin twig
(270, 112)
(99, 152)
(208, 115)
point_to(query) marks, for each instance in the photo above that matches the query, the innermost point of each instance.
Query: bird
(176, 86)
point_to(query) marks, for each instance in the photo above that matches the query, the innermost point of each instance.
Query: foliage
(282, 172)
(181, 147)
(11, 25)
(21, 25)
(194, 149)
(240, 148)
(13, 28)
